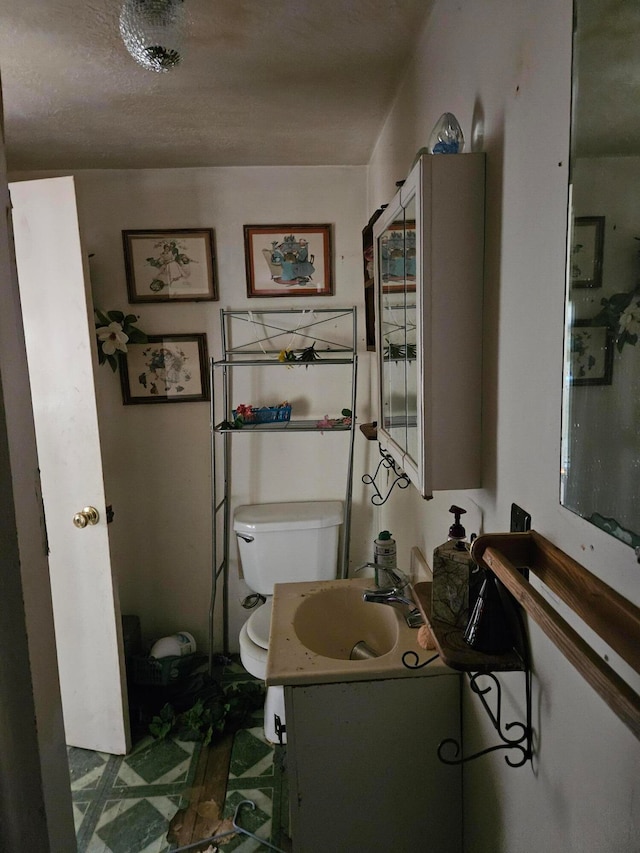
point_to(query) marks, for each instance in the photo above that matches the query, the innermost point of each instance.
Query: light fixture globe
(152, 32)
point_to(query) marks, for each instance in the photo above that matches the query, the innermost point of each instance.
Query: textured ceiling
(262, 82)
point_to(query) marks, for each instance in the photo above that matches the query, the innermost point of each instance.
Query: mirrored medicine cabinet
(600, 465)
(428, 268)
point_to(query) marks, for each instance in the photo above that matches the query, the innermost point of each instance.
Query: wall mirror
(600, 466)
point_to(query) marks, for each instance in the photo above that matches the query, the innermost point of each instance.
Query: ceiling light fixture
(152, 32)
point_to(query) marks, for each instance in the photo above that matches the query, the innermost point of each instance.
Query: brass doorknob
(89, 515)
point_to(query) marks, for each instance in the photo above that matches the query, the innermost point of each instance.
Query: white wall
(157, 457)
(503, 68)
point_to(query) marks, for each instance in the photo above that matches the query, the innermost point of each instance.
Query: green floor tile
(249, 750)
(83, 762)
(157, 760)
(134, 829)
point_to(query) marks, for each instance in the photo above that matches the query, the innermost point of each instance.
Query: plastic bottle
(384, 550)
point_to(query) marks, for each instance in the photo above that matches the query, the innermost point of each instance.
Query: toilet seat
(259, 624)
(254, 641)
(254, 658)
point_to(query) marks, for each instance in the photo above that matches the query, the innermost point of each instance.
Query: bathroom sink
(316, 624)
(332, 621)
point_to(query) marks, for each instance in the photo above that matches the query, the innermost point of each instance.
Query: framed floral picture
(166, 369)
(587, 247)
(591, 354)
(288, 260)
(170, 265)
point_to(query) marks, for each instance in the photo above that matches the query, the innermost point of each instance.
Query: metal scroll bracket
(515, 736)
(400, 478)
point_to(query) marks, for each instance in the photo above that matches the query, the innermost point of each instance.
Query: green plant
(209, 716)
(309, 354)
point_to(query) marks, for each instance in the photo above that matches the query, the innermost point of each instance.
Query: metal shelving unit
(254, 340)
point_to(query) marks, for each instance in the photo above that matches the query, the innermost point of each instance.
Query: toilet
(281, 543)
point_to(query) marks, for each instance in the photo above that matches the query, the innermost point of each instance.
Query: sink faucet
(396, 591)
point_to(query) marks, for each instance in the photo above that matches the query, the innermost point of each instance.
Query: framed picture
(288, 260)
(587, 245)
(170, 265)
(166, 369)
(591, 354)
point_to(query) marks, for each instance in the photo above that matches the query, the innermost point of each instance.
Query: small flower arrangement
(114, 330)
(245, 413)
(329, 423)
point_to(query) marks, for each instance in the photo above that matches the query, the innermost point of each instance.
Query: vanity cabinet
(429, 257)
(363, 768)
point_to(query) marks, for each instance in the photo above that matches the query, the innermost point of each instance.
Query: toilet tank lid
(303, 515)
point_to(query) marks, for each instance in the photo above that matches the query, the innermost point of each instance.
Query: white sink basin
(315, 625)
(331, 621)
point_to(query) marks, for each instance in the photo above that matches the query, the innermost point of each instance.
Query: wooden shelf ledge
(452, 648)
(370, 431)
(615, 619)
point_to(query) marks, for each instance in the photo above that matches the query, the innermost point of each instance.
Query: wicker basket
(267, 415)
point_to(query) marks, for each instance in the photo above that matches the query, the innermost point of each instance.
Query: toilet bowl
(254, 646)
(281, 543)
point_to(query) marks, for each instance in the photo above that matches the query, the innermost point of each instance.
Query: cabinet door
(429, 274)
(398, 247)
(364, 773)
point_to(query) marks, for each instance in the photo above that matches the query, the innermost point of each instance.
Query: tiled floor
(125, 804)
(256, 774)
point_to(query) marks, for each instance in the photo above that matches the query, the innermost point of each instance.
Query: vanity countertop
(290, 662)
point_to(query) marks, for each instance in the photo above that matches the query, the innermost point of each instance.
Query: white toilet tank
(287, 542)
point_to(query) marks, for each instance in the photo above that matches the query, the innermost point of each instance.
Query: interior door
(58, 324)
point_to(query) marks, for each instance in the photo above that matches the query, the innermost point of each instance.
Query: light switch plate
(520, 520)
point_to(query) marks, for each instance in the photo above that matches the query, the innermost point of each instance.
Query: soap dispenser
(452, 569)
